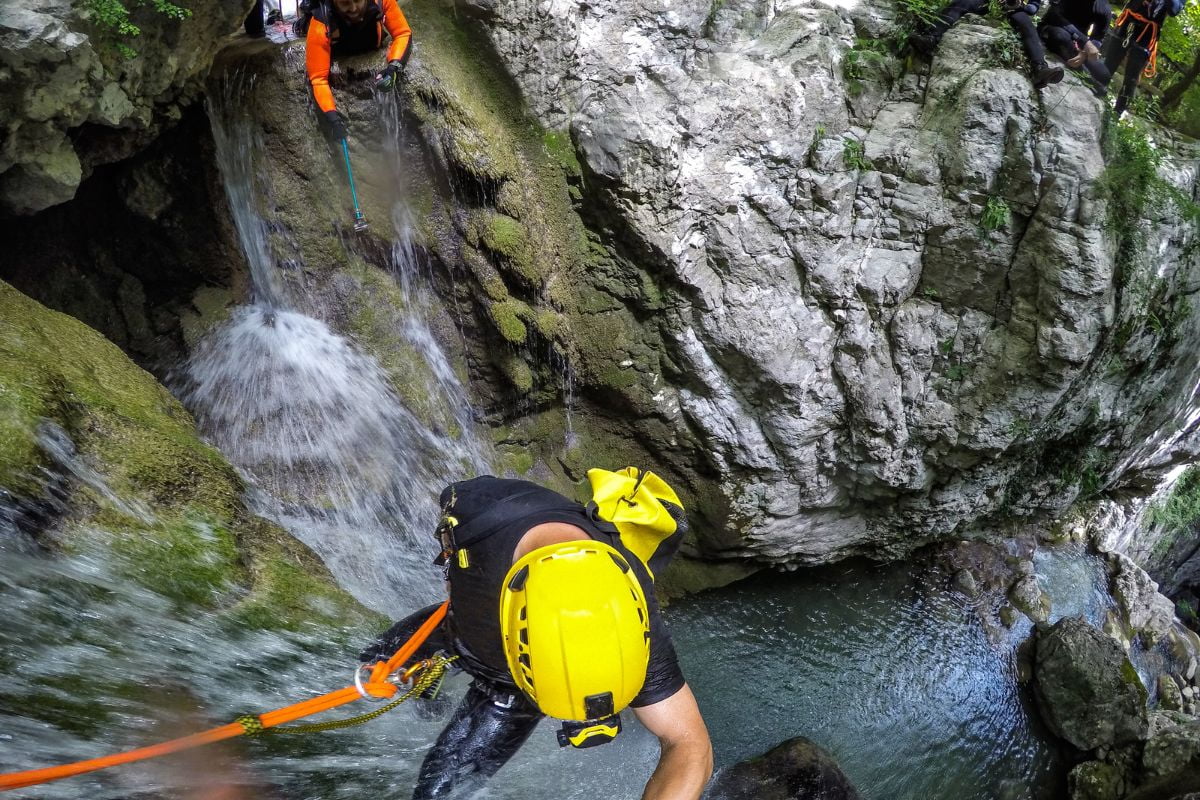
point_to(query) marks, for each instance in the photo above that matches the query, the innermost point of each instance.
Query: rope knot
(251, 724)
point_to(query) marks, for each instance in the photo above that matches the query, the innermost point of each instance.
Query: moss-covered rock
(138, 480)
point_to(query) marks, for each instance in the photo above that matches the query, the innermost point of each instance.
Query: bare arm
(686, 761)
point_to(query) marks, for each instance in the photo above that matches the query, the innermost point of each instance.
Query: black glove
(337, 124)
(390, 77)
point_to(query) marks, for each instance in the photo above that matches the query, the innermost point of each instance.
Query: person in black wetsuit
(516, 548)
(1074, 30)
(1134, 44)
(1020, 16)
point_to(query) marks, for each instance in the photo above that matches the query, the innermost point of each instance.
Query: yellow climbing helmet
(633, 500)
(576, 629)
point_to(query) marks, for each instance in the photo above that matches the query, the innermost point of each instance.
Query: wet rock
(829, 257)
(1170, 698)
(797, 769)
(1095, 780)
(1174, 744)
(1029, 598)
(1088, 691)
(1009, 615)
(964, 581)
(1148, 612)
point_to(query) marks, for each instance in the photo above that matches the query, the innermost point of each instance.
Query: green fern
(111, 17)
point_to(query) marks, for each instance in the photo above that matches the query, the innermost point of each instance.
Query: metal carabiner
(362, 690)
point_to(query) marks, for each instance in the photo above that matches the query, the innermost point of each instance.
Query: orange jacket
(320, 42)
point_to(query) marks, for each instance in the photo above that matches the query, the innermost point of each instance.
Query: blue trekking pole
(360, 222)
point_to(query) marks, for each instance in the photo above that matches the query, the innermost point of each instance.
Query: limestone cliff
(75, 95)
(903, 302)
(849, 303)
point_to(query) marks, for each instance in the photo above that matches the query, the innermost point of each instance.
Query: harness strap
(1151, 27)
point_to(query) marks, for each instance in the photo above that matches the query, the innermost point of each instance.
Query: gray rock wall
(71, 101)
(859, 362)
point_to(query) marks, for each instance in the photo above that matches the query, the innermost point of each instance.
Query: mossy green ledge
(178, 524)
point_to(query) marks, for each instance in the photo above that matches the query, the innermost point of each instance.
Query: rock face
(1148, 612)
(853, 351)
(1088, 691)
(90, 442)
(794, 770)
(847, 308)
(72, 101)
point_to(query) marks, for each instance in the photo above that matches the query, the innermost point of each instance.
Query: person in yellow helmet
(552, 612)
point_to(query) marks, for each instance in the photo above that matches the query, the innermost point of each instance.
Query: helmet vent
(518, 581)
(620, 562)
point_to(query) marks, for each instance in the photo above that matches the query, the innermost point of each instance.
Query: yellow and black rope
(427, 678)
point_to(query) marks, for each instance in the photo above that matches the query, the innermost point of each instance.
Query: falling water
(333, 454)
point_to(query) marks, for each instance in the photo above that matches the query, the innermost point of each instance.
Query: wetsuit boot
(924, 43)
(1044, 74)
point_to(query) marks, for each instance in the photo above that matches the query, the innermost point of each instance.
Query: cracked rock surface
(862, 363)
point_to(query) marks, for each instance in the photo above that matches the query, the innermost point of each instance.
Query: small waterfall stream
(333, 454)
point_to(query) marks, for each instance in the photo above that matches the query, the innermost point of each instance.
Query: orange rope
(1152, 65)
(376, 686)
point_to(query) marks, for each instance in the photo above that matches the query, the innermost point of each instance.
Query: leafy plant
(818, 137)
(713, 9)
(854, 155)
(914, 16)
(946, 346)
(1020, 427)
(1181, 509)
(112, 18)
(958, 372)
(996, 214)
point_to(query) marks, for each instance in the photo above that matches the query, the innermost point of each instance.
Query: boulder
(1088, 691)
(1095, 780)
(1170, 698)
(796, 769)
(1148, 612)
(1027, 595)
(1173, 746)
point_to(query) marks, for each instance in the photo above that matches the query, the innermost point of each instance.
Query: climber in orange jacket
(350, 27)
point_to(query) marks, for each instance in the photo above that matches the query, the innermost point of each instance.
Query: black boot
(1044, 75)
(924, 43)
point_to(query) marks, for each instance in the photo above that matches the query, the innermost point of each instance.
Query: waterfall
(332, 453)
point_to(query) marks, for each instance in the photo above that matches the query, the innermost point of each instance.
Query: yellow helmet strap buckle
(591, 733)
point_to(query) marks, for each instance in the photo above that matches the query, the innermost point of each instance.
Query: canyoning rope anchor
(360, 222)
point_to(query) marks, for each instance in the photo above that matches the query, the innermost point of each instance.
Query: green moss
(191, 560)
(518, 373)
(290, 586)
(200, 547)
(505, 236)
(507, 317)
(467, 104)
(517, 460)
(288, 597)
(125, 424)
(507, 239)
(560, 148)
(549, 324)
